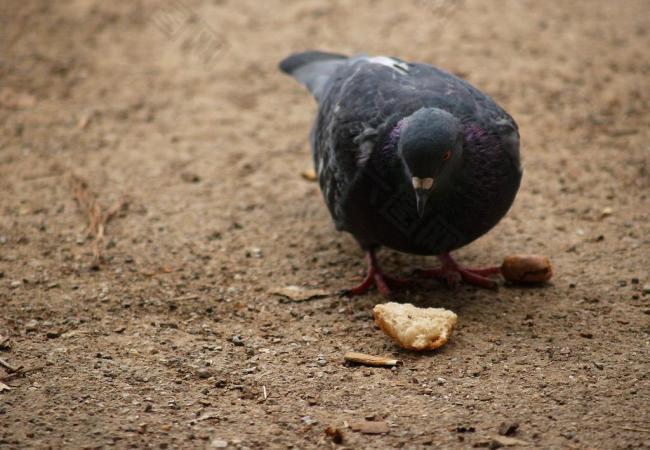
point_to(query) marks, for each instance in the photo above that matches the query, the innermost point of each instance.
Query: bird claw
(379, 280)
(375, 277)
(452, 274)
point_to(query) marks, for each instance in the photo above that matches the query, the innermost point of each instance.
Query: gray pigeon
(410, 157)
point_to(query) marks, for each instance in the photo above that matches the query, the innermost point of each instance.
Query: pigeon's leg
(452, 273)
(375, 276)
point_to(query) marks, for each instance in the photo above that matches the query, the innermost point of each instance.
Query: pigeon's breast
(381, 208)
(381, 213)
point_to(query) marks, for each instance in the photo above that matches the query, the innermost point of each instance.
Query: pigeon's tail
(313, 69)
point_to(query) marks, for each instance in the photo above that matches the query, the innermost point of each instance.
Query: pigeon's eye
(446, 156)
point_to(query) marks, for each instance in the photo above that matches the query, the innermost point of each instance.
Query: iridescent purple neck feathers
(393, 137)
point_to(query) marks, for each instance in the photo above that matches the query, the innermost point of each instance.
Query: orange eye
(446, 156)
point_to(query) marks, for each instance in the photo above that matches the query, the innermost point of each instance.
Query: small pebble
(309, 420)
(190, 177)
(204, 372)
(218, 443)
(508, 428)
(254, 252)
(646, 288)
(32, 325)
(237, 340)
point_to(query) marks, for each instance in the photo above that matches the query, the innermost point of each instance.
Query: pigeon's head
(430, 145)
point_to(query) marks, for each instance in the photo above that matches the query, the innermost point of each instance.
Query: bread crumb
(415, 328)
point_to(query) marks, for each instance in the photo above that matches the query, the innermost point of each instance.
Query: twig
(9, 367)
(22, 372)
(641, 430)
(97, 220)
(370, 360)
(187, 297)
(264, 391)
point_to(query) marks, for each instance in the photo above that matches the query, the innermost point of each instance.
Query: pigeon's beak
(421, 196)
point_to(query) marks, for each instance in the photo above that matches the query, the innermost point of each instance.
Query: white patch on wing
(389, 62)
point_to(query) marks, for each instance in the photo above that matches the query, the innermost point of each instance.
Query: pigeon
(408, 157)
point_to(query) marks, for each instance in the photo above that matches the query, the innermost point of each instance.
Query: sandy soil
(175, 340)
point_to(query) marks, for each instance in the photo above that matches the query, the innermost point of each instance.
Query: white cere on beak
(422, 183)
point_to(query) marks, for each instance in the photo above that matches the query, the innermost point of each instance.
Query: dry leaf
(370, 360)
(298, 294)
(4, 387)
(368, 427)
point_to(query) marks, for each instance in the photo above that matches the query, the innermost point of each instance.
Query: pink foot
(375, 276)
(452, 273)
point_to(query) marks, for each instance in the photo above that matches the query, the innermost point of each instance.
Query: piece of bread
(527, 269)
(415, 328)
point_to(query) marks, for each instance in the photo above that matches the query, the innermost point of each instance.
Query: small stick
(97, 220)
(641, 430)
(264, 391)
(22, 372)
(9, 367)
(187, 297)
(370, 360)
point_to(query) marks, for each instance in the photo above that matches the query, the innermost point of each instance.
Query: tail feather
(297, 60)
(312, 68)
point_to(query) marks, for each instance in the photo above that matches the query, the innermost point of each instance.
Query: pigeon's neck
(389, 152)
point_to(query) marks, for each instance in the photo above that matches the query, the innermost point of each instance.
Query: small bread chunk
(415, 328)
(527, 269)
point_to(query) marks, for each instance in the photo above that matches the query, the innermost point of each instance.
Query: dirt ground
(176, 341)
